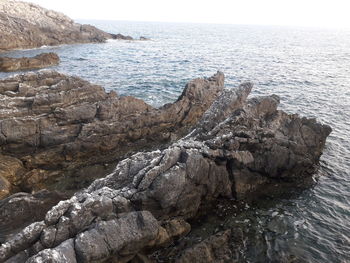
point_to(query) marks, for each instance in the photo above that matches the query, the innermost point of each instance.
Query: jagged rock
(43, 60)
(252, 139)
(21, 209)
(52, 125)
(26, 25)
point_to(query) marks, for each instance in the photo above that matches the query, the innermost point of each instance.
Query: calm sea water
(308, 68)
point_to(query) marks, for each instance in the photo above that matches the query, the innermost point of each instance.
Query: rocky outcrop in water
(26, 25)
(144, 38)
(238, 147)
(52, 125)
(43, 60)
(122, 37)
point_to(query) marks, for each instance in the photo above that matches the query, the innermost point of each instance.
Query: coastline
(278, 221)
(157, 186)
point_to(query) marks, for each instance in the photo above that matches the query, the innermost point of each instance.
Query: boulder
(43, 60)
(132, 210)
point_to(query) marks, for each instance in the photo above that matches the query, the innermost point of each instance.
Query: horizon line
(221, 23)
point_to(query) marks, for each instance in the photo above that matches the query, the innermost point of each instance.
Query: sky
(315, 13)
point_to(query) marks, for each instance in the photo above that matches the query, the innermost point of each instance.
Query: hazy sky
(329, 13)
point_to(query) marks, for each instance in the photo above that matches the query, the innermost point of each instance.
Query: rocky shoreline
(40, 61)
(235, 147)
(90, 176)
(25, 25)
(54, 126)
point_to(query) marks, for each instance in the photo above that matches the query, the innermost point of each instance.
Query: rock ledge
(43, 60)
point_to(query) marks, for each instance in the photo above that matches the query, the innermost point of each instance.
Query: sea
(309, 68)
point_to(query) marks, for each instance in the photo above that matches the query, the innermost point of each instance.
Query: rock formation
(144, 38)
(237, 147)
(122, 37)
(26, 25)
(43, 60)
(21, 209)
(52, 125)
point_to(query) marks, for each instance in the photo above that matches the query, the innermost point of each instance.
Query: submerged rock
(52, 125)
(237, 147)
(122, 37)
(43, 60)
(26, 25)
(144, 38)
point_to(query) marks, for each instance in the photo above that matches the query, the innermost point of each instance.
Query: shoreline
(165, 188)
(215, 177)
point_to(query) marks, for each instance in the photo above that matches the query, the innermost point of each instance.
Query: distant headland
(26, 25)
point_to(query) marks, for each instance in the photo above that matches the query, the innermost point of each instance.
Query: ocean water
(308, 68)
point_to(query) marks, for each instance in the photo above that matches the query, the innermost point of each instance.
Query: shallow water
(308, 68)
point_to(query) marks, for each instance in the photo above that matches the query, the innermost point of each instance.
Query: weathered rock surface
(21, 209)
(237, 147)
(52, 125)
(43, 60)
(26, 25)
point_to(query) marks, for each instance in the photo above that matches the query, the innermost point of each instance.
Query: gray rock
(25, 209)
(54, 125)
(64, 253)
(229, 155)
(123, 236)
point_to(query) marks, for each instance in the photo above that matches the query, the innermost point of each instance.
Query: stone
(123, 236)
(43, 60)
(64, 253)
